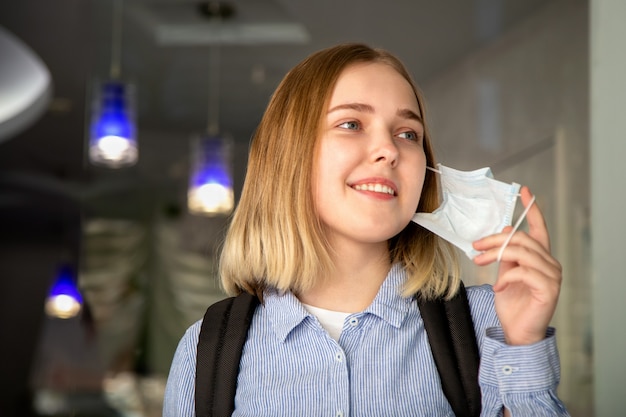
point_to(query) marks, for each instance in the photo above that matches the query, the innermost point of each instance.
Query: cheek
(417, 181)
(333, 164)
(419, 195)
(323, 172)
(416, 194)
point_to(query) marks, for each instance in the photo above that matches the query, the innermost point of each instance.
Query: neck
(353, 284)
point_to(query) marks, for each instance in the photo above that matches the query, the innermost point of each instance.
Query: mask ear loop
(517, 225)
(433, 169)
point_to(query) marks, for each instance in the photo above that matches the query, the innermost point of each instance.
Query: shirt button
(338, 357)
(507, 370)
(354, 322)
(339, 414)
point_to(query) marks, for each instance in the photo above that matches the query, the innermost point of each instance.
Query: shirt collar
(389, 304)
(285, 311)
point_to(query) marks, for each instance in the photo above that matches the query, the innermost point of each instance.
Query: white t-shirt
(331, 321)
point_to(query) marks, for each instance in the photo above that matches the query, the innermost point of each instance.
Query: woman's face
(370, 166)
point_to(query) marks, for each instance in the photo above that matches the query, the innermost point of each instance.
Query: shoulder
(480, 294)
(481, 302)
(179, 391)
(193, 331)
(480, 298)
(188, 345)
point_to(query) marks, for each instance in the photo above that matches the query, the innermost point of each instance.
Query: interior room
(509, 84)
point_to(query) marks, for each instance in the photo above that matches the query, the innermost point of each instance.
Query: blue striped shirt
(381, 366)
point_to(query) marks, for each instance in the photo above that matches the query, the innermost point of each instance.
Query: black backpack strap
(452, 341)
(222, 336)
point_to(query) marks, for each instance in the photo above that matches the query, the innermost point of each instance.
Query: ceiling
(47, 187)
(165, 50)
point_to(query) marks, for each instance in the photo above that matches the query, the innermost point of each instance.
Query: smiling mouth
(376, 188)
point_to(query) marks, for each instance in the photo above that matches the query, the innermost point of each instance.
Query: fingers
(543, 284)
(538, 231)
(490, 248)
(536, 223)
(524, 260)
(527, 259)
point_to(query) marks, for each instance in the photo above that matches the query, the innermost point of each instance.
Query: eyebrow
(409, 114)
(366, 108)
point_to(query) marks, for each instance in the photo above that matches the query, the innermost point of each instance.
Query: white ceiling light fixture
(64, 299)
(113, 127)
(25, 83)
(210, 190)
(255, 22)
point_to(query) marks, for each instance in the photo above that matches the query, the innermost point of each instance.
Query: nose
(385, 149)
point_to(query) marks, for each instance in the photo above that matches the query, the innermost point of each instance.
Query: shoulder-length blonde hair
(275, 238)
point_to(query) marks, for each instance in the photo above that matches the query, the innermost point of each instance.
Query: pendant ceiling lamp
(25, 85)
(210, 181)
(64, 300)
(210, 189)
(113, 127)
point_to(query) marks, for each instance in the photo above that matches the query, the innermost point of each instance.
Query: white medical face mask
(475, 205)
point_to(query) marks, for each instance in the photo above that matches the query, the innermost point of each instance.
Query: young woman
(323, 236)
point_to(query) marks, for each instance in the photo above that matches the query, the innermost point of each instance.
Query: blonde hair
(275, 238)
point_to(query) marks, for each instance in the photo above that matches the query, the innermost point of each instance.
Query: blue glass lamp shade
(210, 181)
(64, 300)
(113, 131)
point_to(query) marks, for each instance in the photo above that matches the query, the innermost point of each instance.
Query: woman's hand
(529, 278)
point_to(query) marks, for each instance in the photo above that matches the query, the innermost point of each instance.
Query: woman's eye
(410, 135)
(350, 125)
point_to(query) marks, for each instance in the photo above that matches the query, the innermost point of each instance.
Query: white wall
(521, 107)
(608, 149)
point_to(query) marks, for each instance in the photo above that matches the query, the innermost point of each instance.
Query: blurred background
(122, 120)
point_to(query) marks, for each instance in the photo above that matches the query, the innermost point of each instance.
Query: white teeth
(377, 188)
